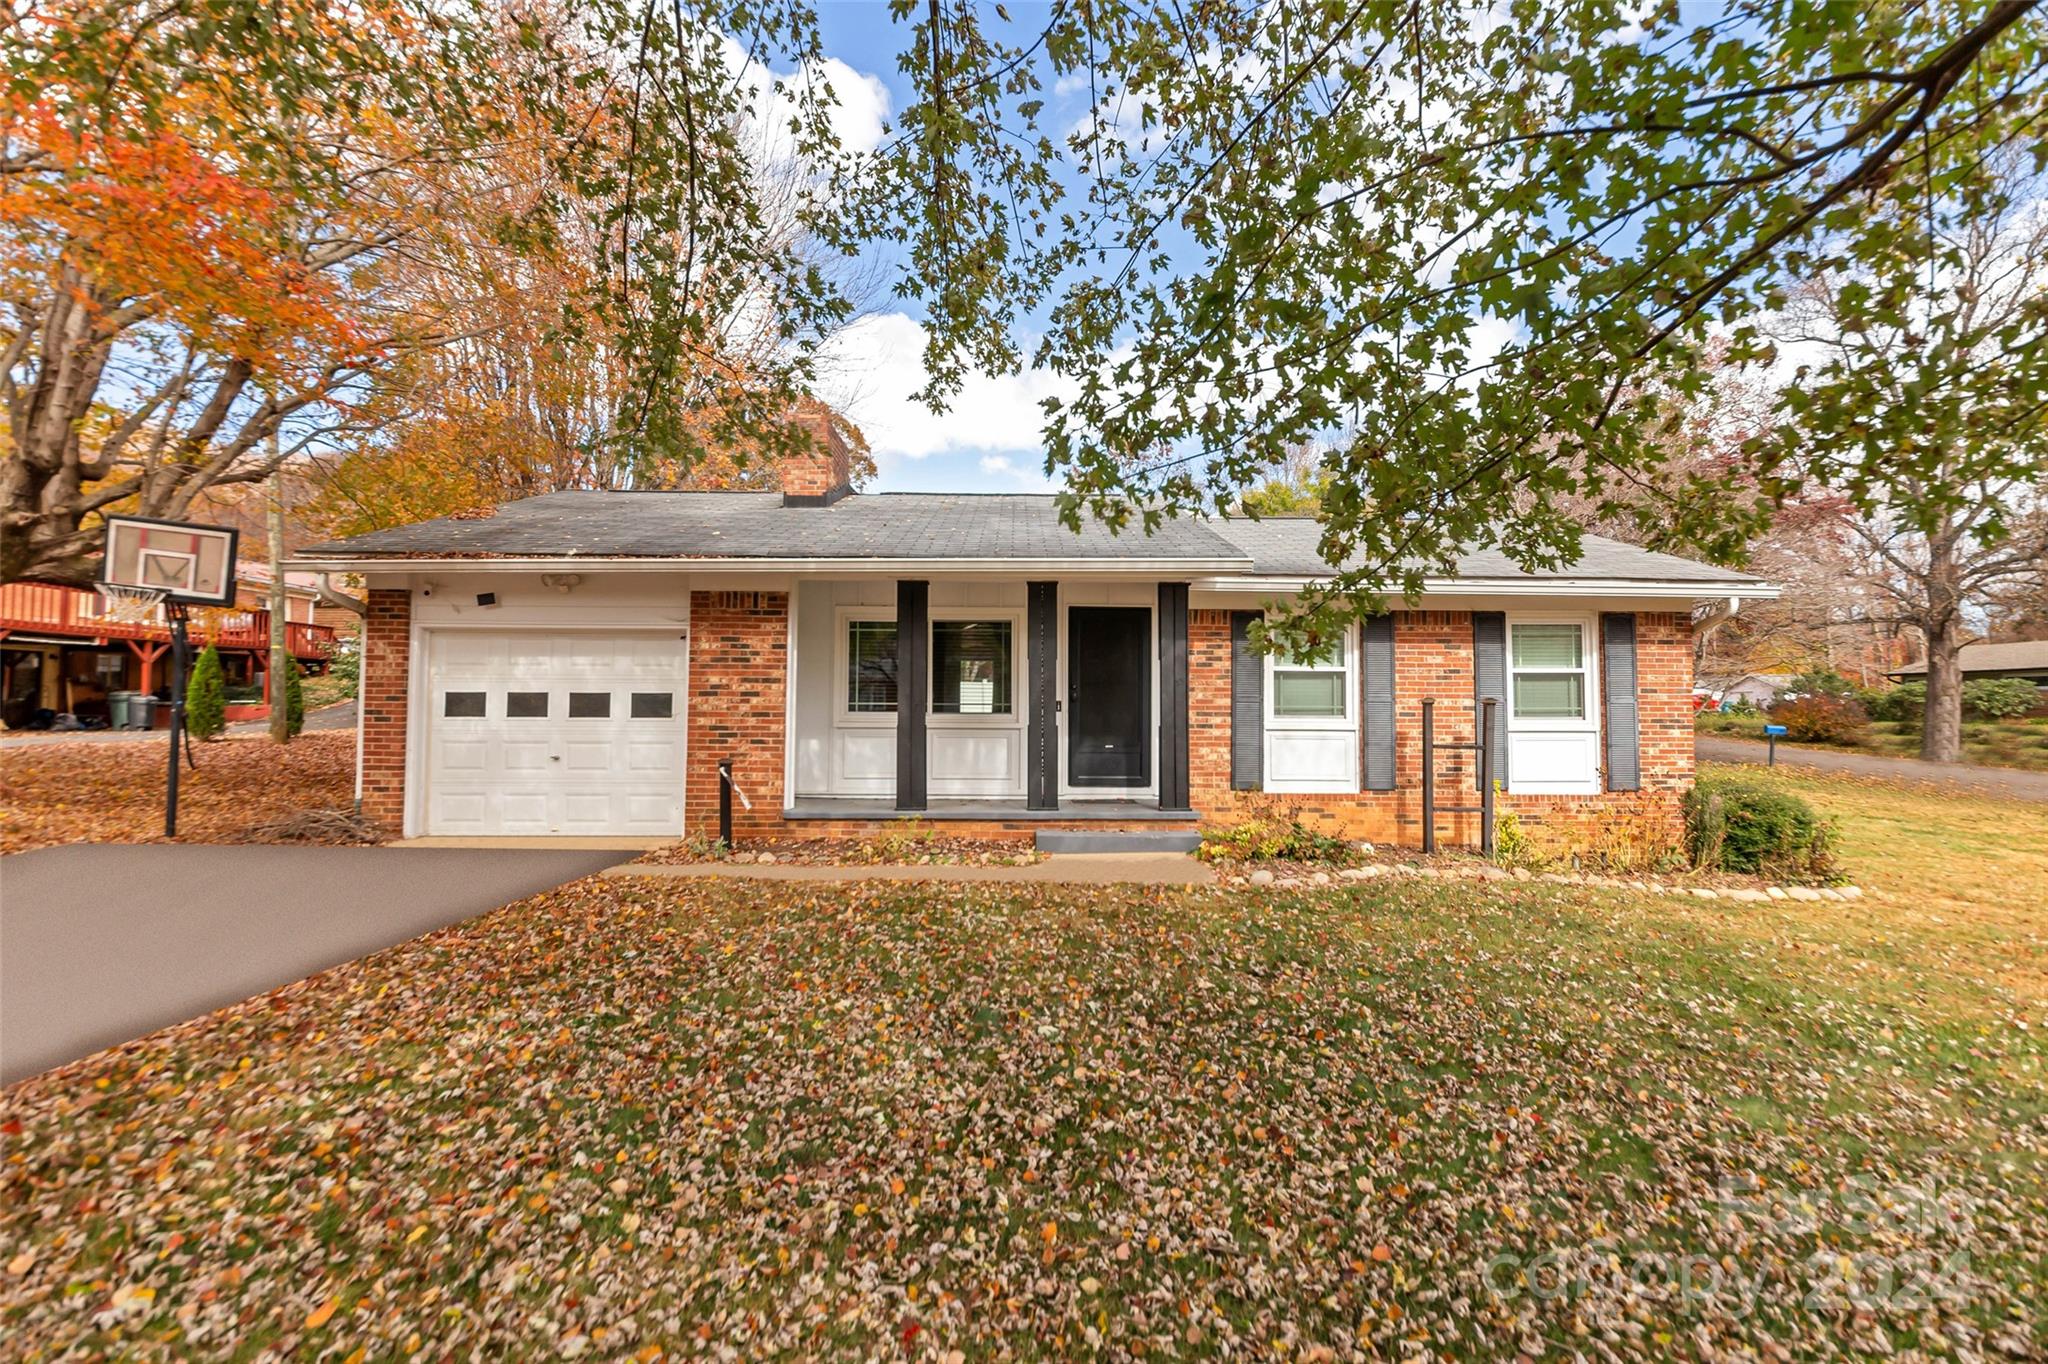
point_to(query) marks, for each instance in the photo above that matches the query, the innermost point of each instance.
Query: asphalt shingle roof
(1286, 546)
(936, 526)
(1981, 658)
(758, 526)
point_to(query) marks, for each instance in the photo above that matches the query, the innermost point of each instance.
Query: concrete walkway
(101, 943)
(1094, 869)
(2007, 782)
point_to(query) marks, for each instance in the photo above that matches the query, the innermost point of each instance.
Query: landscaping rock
(1262, 877)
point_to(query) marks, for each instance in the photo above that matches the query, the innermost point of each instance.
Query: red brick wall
(1664, 691)
(1433, 658)
(739, 651)
(386, 672)
(1208, 702)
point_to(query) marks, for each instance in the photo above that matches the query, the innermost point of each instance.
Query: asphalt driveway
(101, 944)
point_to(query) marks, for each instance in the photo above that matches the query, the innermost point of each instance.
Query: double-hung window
(870, 667)
(972, 667)
(1311, 738)
(1549, 667)
(1311, 686)
(1553, 708)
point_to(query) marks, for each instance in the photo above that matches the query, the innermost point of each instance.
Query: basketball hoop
(128, 603)
(175, 566)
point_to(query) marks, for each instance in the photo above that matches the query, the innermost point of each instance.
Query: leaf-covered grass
(1989, 743)
(889, 1120)
(112, 791)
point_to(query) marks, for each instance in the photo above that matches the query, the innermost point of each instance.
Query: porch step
(1116, 840)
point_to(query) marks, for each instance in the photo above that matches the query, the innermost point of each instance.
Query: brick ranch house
(581, 663)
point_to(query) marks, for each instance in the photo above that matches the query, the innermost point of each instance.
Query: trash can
(142, 710)
(117, 709)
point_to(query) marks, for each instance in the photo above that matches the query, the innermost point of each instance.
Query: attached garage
(554, 732)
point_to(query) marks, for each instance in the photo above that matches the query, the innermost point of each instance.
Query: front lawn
(915, 1121)
(112, 790)
(1989, 743)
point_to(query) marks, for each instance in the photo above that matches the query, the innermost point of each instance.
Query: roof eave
(1746, 589)
(394, 563)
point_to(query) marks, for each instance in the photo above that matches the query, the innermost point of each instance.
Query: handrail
(1482, 745)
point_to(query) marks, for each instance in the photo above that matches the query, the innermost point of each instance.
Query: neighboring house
(59, 654)
(2027, 660)
(1759, 689)
(581, 663)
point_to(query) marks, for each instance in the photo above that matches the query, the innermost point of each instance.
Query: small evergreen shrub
(1738, 826)
(294, 699)
(1903, 704)
(1999, 698)
(1823, 719)
(1820, 682)
(206, 697)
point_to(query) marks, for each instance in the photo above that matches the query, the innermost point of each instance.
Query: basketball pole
(181, 653)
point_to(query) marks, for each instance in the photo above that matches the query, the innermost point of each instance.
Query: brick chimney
(823, 473)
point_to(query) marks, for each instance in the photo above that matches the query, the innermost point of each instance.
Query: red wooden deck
(76, 613)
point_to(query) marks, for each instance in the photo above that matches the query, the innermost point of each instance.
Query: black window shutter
(1247, 706)
(1624, 714)
(1377, 660)
(1490, 681)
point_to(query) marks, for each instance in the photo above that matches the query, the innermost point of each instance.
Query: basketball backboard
(185, 562)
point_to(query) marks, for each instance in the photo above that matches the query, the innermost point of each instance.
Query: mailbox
(1774, 731)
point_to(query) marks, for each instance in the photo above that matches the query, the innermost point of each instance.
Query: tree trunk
(1941, 726)
(1941, 731)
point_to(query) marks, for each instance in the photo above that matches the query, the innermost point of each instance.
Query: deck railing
(51, 609)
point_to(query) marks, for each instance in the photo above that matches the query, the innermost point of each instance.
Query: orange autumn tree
(228, 223)
(519, 404)
(181, 279)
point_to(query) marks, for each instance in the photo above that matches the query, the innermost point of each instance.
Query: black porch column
(1173, 696)
(1041, 702)
(913, 676)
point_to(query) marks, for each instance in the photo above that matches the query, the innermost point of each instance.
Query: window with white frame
(870, 667)
(1312, 686)
(1311, 739)
(1553, 708)
(1549, 666)
(972, 667)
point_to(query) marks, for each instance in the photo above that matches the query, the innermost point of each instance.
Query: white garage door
(555, 733)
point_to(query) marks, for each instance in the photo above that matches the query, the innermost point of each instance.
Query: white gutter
(1532, 587)
(895, 568)
(1203, 575)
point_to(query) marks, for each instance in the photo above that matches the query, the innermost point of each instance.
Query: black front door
(1109, 696)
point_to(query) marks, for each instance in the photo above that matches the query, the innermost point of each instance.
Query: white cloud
(858, 112)
(871, 370)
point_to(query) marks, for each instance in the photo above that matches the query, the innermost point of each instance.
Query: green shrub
(1821, 682)
(1733, 825)
(1823, 719)
(294, 699)
(206, 697)
(1512, 846)
(1905, 703)
(2000, 698)
(1739, 705)
(1271, 832)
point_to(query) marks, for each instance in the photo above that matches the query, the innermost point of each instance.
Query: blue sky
(988, 441)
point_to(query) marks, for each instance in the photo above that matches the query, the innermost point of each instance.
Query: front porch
(1007, 812)
(1010, 703)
